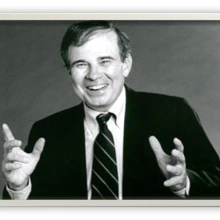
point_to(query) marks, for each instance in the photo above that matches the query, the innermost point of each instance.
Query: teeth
(97, 87)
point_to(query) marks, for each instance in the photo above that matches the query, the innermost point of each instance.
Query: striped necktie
(104, 181)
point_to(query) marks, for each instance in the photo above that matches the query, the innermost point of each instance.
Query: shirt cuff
(22, 194)
(185, 191)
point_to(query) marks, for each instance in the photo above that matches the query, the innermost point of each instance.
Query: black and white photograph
(110, 110)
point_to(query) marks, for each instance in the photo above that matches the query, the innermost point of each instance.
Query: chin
(100, 107)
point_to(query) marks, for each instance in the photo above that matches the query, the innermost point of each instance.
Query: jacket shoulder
(149, 98)
(62, 116)
(55, 125)
(158, 104)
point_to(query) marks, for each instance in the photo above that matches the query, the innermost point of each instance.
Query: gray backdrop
(177, 58)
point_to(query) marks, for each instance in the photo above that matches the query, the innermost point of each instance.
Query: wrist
(18, 187)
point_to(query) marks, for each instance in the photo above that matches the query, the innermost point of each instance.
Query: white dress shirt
(116, 126)
(91, 128)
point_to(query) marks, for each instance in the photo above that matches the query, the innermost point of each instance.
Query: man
(118, 143)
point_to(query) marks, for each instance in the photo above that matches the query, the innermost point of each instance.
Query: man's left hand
(172, 166)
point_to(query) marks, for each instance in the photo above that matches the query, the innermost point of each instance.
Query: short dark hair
(79, 33)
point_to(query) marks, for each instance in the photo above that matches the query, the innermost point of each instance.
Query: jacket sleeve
(202, 161)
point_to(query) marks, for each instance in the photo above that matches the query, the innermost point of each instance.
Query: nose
(94, 72)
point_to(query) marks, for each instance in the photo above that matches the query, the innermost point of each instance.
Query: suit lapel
(140, 169)
(133, 129)
(74, 150)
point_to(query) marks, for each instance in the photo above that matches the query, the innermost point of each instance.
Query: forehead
(99, 44)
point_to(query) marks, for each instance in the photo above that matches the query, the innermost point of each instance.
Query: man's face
(97, 71)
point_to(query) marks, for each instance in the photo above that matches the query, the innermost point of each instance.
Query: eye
(105, 62)
(81, 65)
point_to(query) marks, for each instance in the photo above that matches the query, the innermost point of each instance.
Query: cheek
(77, 79)
(117, 69)
(77, 84)
(78, 89)
(119, 78)
(115, 73)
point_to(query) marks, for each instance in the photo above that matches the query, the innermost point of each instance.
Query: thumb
(38, 147)
(156, 147)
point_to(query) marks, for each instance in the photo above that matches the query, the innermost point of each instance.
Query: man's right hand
(18, 165)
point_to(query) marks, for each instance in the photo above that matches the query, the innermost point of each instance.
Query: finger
(175, 170)
(8, 136)
(176, 180)
(179, 156)
(178, 144)
(12, 157)
(156, 147)
(8, 145)
(38, 147)
(12, 166)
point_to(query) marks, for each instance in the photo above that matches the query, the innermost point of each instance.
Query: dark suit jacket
(61, 171)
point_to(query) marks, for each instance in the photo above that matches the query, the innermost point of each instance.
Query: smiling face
(97, 72)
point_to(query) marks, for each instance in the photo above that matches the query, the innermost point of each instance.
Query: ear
(127, 65)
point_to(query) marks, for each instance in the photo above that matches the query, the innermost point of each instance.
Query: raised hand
(17, 165)
(172, 166)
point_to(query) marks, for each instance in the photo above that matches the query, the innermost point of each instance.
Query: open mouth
(96, 88)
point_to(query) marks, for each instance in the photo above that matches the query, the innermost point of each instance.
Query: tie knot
(102, 119)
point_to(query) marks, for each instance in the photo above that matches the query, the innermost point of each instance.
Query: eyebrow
(106, 57)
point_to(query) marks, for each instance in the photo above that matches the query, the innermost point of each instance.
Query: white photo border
(111, 16)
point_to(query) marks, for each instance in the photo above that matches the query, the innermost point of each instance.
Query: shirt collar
(116, 109)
